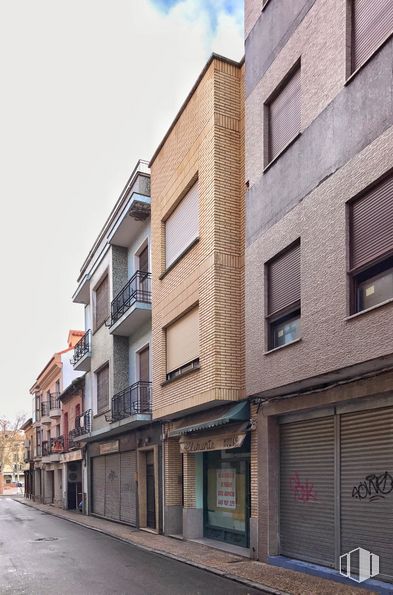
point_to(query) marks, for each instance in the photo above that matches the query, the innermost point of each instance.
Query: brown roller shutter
(367, 484)
(103, 389)
(285, 115)
(372, 22)
(128, 487)
(112, 486)
(284, 280)
(144, 366)
(102, 302)
(307, 490)
(372, 224)
(98, 485)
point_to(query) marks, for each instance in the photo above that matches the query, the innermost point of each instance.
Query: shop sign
(226, 488)
(208, 443)
(75, 455)
(109, 447)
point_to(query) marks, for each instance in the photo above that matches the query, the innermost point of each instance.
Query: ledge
(273, 161)
(367, 310)
(282, 346)
(371, 56)
(196, 369)
(264, 5)
(174, 263)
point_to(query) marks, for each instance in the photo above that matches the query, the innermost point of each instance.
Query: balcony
(82, 353)
(54, 406)
(52, 449)
(133, 404)
(132, 306)
(82, 427)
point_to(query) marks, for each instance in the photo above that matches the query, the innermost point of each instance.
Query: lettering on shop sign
(206, 444)
(302, 491)
(374, 487)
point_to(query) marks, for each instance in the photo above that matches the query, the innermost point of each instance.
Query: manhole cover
(46, 539)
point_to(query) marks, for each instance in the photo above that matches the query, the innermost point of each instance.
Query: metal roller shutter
(307, 490)
(372, 22)
(367, 484)
(372, 224)
(98, 485)
(112, 487)
(128, 487)
(182, 226)
(182, 340)
(284, 280)
(285, 115)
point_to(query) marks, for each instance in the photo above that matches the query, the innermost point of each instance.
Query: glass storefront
(227, 495)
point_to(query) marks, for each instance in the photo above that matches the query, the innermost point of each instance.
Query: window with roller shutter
(283, 115)
(371, 246)
(182, 226)
(182, 344)
(283, 303)
(372, 24)
(102, 377)
(101, 303)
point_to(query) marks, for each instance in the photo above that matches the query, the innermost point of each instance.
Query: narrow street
(42, 554)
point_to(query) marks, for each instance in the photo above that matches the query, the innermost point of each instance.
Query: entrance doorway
(150, 492)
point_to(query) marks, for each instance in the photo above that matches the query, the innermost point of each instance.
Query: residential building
(123, 447)
(48, 440)
(319, 289)
(198, 335)
(27, 428)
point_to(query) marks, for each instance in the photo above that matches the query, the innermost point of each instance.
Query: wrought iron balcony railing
(82, 426)
(45, 408)
(137, 289)
(131, 401)
(54, 401)
(45, 448)
(82, 347)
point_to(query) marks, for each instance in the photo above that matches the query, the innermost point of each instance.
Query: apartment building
(48, 440)
(319, 281)
(27, 429)
(123, 453)
(198, 333)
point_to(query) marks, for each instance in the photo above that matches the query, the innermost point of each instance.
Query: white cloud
(88, 87)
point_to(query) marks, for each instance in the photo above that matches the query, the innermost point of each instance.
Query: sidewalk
(254, 574)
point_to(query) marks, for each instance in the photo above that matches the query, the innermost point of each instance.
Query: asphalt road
(42, 554)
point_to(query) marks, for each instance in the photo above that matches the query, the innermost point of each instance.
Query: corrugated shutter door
(128, 487)
(285, 115)
(112, 486)
(307, 490)
(367, 484)
(284, 280)
(372, 23)
(182, 340)
(98, 485)
(372, 224)
(182, 226)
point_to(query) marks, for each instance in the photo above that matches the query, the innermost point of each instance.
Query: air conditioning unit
(74, 473)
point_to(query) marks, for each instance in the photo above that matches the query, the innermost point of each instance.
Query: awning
(223, 438)
(212, 419)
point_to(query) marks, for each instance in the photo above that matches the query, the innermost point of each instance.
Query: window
(283, 112)
(182, 345)
(57, 387)
(283, 277)
(372, 23)
(102, 302)
(371, 246)
(102, 389)
(182, 226)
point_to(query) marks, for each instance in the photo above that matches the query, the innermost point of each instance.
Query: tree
(10, 440)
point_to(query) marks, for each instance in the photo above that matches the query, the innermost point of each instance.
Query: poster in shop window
(226, 488)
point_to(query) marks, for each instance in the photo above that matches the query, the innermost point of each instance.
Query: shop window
(371, 247)
(182, 345)
(283, 115)
(283, 278)
(372, 24)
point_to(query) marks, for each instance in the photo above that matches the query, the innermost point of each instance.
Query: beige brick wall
(189, 479)
(206, 141)
(254, 464)
(173, 472)
(322, 50)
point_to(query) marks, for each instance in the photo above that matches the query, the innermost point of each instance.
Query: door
(144, 260)
(307, 490)
(71, 496)
(144, 280)
(144, 377)
(367, 485)
(150, 492)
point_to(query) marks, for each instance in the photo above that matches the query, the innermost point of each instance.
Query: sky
(87, 88)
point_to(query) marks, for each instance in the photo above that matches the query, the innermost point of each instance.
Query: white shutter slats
(182, 226)
(182, 341)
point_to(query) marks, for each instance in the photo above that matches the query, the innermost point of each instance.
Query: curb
(222, 573)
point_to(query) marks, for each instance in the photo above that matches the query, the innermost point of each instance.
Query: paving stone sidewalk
(254, 574)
